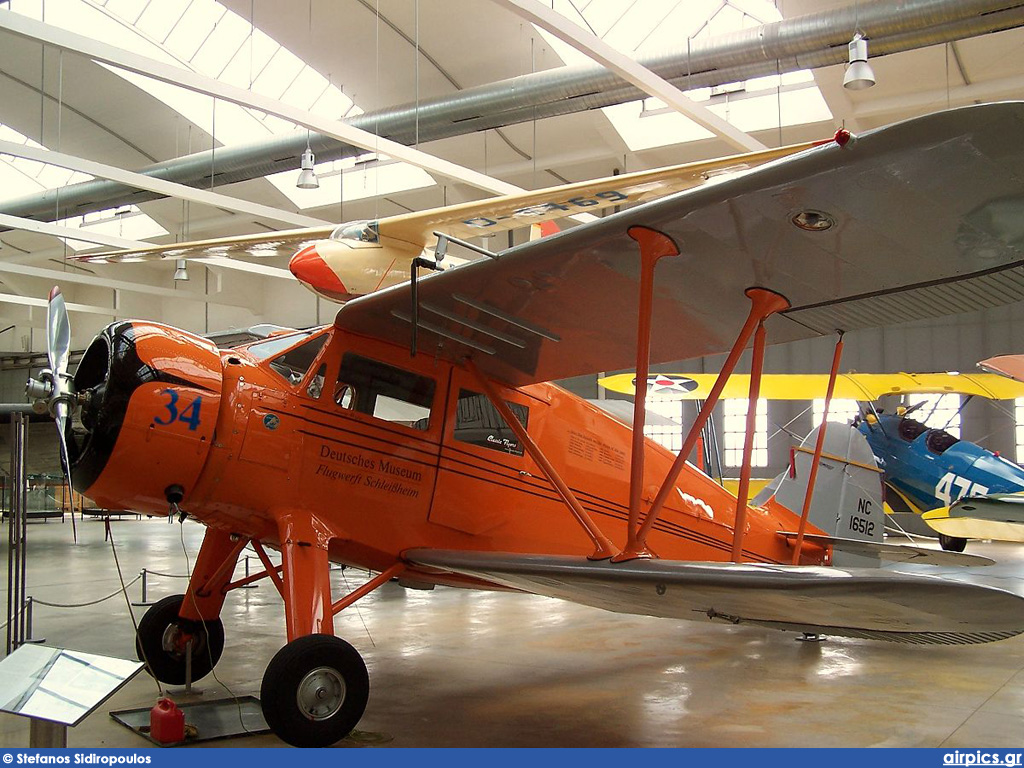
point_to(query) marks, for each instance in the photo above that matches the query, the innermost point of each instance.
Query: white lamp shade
(858, 76)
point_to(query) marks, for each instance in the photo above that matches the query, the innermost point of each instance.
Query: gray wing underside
(925, 220)
(865, 603)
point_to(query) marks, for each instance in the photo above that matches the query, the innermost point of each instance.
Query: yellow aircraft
(921, 487)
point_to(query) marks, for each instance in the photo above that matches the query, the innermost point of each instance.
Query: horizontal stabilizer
(999, 517)
(894, 553)
(853, 602)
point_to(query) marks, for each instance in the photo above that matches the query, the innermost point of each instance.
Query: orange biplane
(455, 463)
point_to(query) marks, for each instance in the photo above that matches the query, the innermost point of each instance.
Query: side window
(478, 422)
(384, 392)
(294, 363)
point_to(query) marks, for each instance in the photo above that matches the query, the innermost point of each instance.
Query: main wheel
(314, 691)
(952, 543)
(163, 636)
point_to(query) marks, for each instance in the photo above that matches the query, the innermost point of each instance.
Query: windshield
(363, 231)
(294, 363)
(261, 350)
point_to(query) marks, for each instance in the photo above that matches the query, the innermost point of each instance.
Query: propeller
(55, 388)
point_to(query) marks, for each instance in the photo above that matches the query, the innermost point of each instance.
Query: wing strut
(763, 304)
(818, 448)
(603, 548)
(653, 246)
(743, 492)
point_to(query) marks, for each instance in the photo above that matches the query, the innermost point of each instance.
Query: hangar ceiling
(406, 69)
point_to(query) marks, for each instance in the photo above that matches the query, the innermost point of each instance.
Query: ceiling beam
(597, 49)
(56, 230)
(57, 276)
(31, 301)
(98, 50)
(161, 187)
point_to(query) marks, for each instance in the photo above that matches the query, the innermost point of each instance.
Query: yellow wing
(482, 218)
(263, 244)
(999, 517)
(478, 218)
(807, 386)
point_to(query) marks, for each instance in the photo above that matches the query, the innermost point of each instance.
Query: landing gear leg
(315, 689)
(167, 627)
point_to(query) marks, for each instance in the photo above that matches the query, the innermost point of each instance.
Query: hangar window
(840, 410)
(664, 422)
(478, 422)
(938, 411)
(384, 392)
(735, 428)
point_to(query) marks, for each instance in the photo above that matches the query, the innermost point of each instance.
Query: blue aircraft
(928, 469)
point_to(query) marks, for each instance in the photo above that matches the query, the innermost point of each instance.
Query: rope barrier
(167, 575)
(91, 602)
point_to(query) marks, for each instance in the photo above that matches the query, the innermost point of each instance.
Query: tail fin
(847, 500)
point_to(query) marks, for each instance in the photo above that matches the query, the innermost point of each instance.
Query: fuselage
(932, 468)
(387, 453)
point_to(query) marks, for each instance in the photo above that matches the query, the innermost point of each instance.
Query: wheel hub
(175, 641)
(320, 693)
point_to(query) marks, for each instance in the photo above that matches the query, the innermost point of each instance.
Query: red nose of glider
(309, 267)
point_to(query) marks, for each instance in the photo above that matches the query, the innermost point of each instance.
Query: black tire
(162, 636)
(314, 691)
(952, 543)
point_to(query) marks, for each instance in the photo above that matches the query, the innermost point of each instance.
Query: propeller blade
(58, 337)
(58, 350)
(62, 418)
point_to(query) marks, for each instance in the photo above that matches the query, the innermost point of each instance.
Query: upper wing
(807, 386)
(482, 218)
(910, 239)
(264, 244)
(861, 602)
(999, 516)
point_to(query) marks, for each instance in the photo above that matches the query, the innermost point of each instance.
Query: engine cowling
(151, 394)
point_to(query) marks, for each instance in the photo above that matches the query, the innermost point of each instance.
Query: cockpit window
(940, 441)
(294, 363)
(910, 430)
(262, 350)
(363, 231)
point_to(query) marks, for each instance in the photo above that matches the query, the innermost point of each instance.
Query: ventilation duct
(806, 42)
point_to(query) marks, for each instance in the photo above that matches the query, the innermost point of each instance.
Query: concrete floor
(456, 668)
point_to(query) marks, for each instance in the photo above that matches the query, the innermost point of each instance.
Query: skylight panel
(129, 10)
(278, 74)
(305, 89)
(195, 26)
(159, 18)
(226, 39)
(332, 103)
(250, 60)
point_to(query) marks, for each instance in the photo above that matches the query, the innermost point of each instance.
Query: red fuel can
(166, 722)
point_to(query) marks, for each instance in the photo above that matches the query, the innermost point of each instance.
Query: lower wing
(999, 517)
(855, 602)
